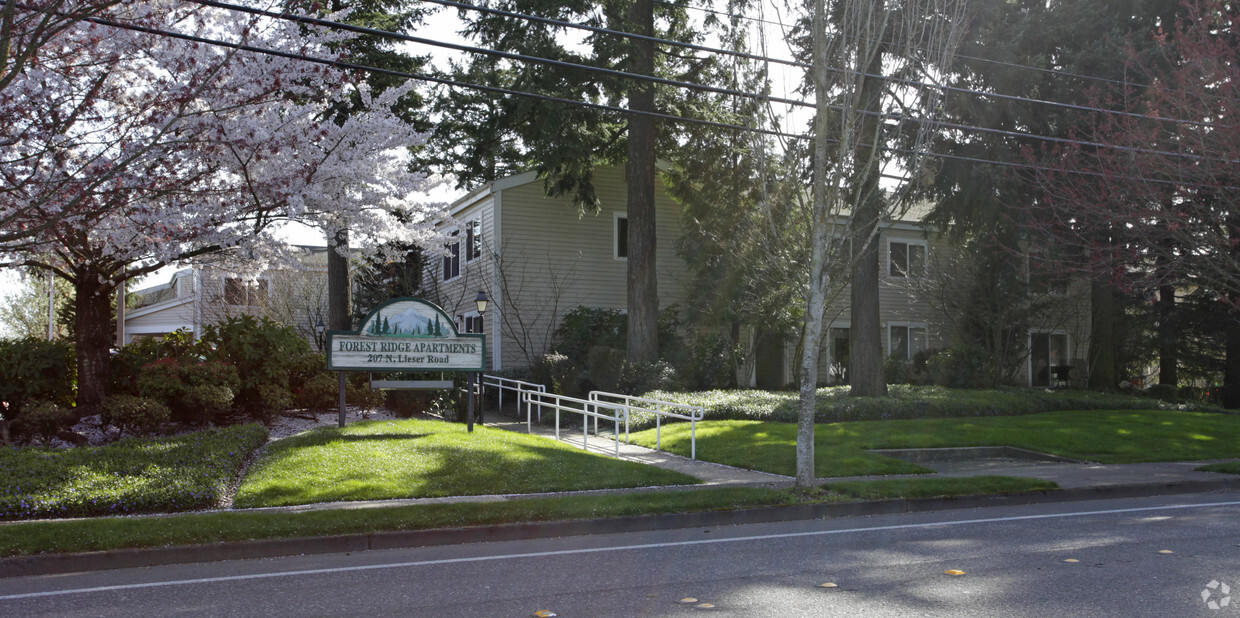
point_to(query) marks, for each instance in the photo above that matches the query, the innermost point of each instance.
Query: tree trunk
(866, 343)
(1102, 370)
(1231, 364)
(93, 322)
(643, 295)
(339, 316)
(1168, 337)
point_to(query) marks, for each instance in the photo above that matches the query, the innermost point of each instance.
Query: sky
(444, 25)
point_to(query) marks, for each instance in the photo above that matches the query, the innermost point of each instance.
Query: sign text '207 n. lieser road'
(406, 334)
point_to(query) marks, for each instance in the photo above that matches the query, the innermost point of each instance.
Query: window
(906, 259)
(234, 291)
(622, 237)
(238, 293)
(473, 240)
(838, 349)
(469, 323)
(905, 340)
(1045, 274)
(1048, 359)
(452, 261)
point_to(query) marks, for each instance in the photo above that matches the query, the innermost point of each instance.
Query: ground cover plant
(186, 472)
(108, 533)
(1105, 436)
(902, 402)
(376, 460)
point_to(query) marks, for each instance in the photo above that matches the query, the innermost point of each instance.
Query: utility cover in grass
(380, 460)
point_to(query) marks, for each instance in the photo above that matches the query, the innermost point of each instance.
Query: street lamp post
(473, 378)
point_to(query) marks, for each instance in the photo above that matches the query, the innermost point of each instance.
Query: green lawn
(1107, 436)
(108, 533)
(379, 460)
(1231, 467)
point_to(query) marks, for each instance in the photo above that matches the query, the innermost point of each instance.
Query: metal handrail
(660, 409)
(522, 389)
(588, 409)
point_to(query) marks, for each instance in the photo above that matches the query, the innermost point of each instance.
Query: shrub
(128, 362)
(266, 356)
(195, 391)
(322, 392)
(34, 371)
(139, 415)
(961, 367)
(203, 402)
(583, 328)
(605, 366)
(1163, 392)
(895, 371)
(556, 372)
(45, 419)
(268, 400)
(162, 381)
(641, 378)
(710, 362)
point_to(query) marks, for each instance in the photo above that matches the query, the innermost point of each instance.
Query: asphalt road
(1133, 557)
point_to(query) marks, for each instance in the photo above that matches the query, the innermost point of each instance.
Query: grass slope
(378, 460)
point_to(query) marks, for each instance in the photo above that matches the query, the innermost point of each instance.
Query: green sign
(406, 334)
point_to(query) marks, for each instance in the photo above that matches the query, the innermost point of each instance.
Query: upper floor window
(473, 240)
(622, 237)
(452, 261)
(239, 292)
(906, 258)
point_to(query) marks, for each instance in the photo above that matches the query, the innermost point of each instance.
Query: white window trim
(615, 235)
(910, 325)
(925, 260)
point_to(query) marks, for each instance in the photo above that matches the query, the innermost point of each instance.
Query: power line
(1055, 72)
(797, 64)
(325, 23)
(359, 67)
(340, 64)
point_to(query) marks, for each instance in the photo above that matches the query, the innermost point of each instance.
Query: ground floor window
(469, 323)
(905, 340)
(1048, 359)
(837, 346)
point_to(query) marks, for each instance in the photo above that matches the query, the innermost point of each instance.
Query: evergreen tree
(1062, 40)
(484, 138)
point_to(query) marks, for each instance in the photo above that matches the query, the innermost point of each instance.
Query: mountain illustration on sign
(408, 320)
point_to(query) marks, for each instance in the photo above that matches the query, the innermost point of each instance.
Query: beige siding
(544, 258)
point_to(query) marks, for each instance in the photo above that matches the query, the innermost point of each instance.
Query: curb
(48, 564)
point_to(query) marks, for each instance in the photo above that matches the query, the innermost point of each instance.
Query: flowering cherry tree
(124, 149)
